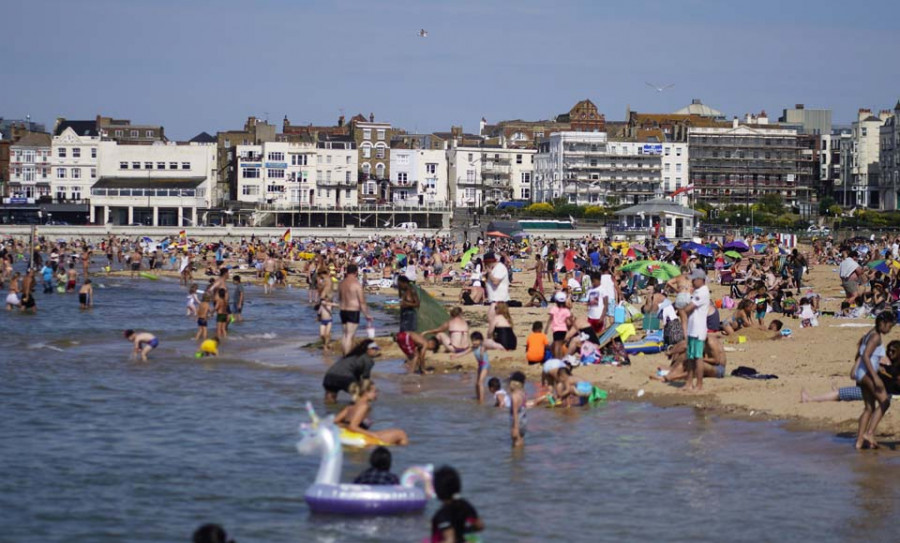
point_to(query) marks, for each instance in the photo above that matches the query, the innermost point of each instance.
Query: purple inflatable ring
(347, 499)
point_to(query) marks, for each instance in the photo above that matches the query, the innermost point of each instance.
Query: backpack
(673, 332)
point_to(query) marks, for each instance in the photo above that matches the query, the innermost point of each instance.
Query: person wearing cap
(696, 311)
(352, 368)
(517, 409)
(558, 323)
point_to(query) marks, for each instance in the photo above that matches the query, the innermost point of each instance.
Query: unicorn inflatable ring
(328, 495)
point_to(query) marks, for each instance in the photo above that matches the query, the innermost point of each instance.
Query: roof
(34, 139)
(699, 108)
(82, 128)
(203, 137)
(658, 205)
(149, 182)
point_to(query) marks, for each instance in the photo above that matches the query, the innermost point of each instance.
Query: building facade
(255, 132)
(373, 143)
(587, 168)
(830, 163)
(889, 160)
(859, 161)
(419, 177)
(123, 131)
(489, 174)
(30, 167)
(740, 164)
(160, 184)
(73, 162)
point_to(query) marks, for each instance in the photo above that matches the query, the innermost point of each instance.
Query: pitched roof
(82, 128)
(34, 139)
(658, 205)
(203, 137)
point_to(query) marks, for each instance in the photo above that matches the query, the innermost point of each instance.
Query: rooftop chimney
(340, 121)
(696, 101)
(798, 106)
(371, 117)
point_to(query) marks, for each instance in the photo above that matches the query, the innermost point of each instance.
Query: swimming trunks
(351, 317)
(406, 343)
(70, 285)
(135, 267)
(153, 343)
(325, 322)
(591, 334)
(720, 371)
(82, 298)
(201, 323)
(222, 317)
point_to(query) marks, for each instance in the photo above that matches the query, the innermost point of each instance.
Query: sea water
(97, 447)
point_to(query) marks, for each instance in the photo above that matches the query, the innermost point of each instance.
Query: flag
(286, 237)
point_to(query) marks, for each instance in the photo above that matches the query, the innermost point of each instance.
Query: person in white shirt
(696, 329)
(596, 302)
(850, 272)
(497, 279)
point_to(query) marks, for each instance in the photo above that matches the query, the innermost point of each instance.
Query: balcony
(251, 158)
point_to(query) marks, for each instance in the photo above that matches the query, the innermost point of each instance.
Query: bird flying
(422, 33)
(658, 88)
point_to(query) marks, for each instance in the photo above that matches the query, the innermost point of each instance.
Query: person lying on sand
(713, 361)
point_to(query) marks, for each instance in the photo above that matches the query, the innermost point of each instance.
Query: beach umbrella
(760, 247)
(733, 254)
(879, 265)
(713, 245)
(639, 247)
(467, 256)
(630, 253)
(497, 234)
(702, 250)
(738, 246)
(653, 268)
(519, 235)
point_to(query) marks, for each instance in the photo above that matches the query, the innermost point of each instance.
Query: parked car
(818, 231)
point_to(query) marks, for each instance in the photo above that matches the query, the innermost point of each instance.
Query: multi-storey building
(298, 174)
(29, 170)
(419, 172)
(889, 160)
(676, 171)
(123, 131)
(740, 164)
(160, 184)
(859, 161)
(830, 162)
(373, 142)
(583, 117)
(489, 174)
(255, 132)
(73, 160)
(807, 121)
(588, 168)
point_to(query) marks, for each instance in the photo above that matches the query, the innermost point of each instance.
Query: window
(525, 193)
(173, 165)
(123, 165)
(347, 194)
(76, 173)
(864, 130)
(471, 158)
(518, 159)
(318, 175)
(148, 133)
(160, 165)
(148, 165)
(668, 151)
(402, 160)
(347, 177)
(369, 189)
(349, 159)
(185, 165)
(402, 177)
(227, 144)
(250, 173)
(678, 151)
(93, 152)
(76, 152)
(135, 165)
(666, 167)
(470, 176)
(135, 134)
(678, 168)
(379, 152)
(275, 188)
(119, 133)
(60, 193)
(367, 133)
(61, 152)
(93, 173)
(431, 168)
(278, 156)
(327, 159)
(666, 185)
(367, 152)
(381, 134)
(250, 190)
(76, 193)
(298, 160)
(61, 173)
(275, 173)
(328, 176)
(525, 178)
(379, 171)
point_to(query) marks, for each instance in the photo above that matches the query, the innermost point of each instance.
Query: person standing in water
(870, 351)
(238, 300)
(409, 304)
(86, 295)
(517, 415)
(352, 301)
(144, 342)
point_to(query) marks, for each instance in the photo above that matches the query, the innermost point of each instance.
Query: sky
(206, 65)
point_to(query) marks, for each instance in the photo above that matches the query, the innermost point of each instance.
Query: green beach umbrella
(653, 268)
(467, 256)
(733, 254)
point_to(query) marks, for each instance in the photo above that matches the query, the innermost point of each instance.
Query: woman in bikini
(742, 317)
(355, 417)
(453, 334)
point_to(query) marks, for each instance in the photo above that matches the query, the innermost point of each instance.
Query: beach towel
(751, 373)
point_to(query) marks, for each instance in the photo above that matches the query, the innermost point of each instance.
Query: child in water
(192, 301)
(209, 347)
(456, 518)
(144, 342)
(517, 407)
(501, 398)
(86, 295)
(323, 311)
(479, 348)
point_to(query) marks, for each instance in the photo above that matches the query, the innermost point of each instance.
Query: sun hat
(559, 297)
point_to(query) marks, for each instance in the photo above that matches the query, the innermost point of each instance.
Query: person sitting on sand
(454, 333)
(379, 472)
(144, 342)
(537, 298)
(713, 361)
(354, 417)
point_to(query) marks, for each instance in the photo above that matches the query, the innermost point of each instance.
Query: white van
(408, 226)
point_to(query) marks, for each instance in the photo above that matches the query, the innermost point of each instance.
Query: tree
(542, 209)
(771, 203)
(825, 205)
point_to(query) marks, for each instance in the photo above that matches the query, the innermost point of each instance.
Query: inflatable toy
(150, 276)
(328, 495)
(644, 346)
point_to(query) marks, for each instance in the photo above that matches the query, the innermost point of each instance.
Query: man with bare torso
(352, 301)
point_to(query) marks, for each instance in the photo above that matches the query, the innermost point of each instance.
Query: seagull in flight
(658, 88)
(422, 33)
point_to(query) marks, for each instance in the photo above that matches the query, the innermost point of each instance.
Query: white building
(489, 174)
(419, 177)
(588, 169)
(29, 167)
(830, 160)
(73, 160)
(859, 161)
(291, 174)
(889, 161)
(160, 184)
(675, 171)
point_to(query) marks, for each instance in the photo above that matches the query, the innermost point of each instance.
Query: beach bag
(673, 332)
(619, 314)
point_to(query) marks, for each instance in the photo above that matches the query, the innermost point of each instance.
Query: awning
(148, 182)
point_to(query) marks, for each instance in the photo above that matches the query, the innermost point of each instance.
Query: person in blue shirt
(47, 273)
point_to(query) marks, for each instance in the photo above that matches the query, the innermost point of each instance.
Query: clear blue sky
(205, 65)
